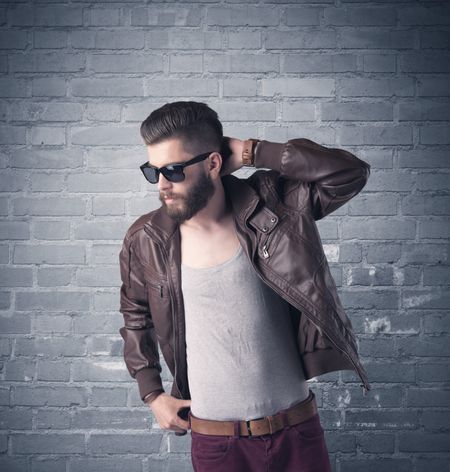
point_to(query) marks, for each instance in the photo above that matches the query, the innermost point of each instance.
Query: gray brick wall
(76, 80)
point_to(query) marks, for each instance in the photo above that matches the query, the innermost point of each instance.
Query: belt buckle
(247, 422)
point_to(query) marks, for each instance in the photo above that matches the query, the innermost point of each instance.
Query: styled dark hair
(194, 123)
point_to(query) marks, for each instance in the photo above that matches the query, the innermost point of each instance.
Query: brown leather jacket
(275, 212)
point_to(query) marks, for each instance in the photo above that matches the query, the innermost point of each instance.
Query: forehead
(166, 152)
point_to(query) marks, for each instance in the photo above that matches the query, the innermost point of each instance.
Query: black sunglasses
(172, 172)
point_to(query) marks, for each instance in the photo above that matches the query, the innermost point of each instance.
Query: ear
(215, 163)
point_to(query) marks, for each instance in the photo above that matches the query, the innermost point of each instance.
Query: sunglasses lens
(173, 175)
(150, 175)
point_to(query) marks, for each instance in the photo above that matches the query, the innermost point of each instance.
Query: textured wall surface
(76, 80)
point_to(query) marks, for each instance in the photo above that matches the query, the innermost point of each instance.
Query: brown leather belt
(267, 425)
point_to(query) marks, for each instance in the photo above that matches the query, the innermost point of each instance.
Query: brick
(38, 61)
(434, 228)
(14, 230)
(100, 324)
(357, 87)
(423, 15)
(384, 420)
(107, 87)
(298, 111)
(107, 39)
(13, 39)
(101, 230)
(186, 63)
(58, 15)
(432, 62)
(52, 300)
(379, 63)
(106, 135)
(180, 40)
(50, 396)
(35, 111)
(52, 419)
(378, 228)
(127, 63)
(52, 230)
(19, 324)
(49, 87)
(104, 17)
(251, 39)
(44, 324)
(107, 276)
(436, 324)
(242, 16)
(432, 87)
(89, 419)
(416, 441)
(13, 88)
(12, 134)
(53, 371)
(171, 87)
(298, 87)
(356, 112)
(373, 204)
(359, 16)
(111, 464)
(358, 38)
(47, 135)
(49, 39)
(157, 15)
(49, 254)
(124, 443)
(16, 277)
(54, 277)
(286, 40)
(109, 397)
(102, 112)
(51, 443)
(46, 346)
(105, 182)
(428, 346)
(376, 464)
(317, 63)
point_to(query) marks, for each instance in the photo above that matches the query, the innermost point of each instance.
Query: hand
(165, 408)
(231, 152)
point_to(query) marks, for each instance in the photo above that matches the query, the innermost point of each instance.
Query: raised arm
(329, 176)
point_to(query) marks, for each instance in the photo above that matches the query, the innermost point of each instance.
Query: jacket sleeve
(140, 346)
(332, 176)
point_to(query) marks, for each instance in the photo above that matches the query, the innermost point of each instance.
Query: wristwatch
(248, 152)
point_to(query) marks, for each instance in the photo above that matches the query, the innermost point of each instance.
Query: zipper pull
(265, 253)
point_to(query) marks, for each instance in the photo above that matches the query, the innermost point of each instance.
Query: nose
(163, 183)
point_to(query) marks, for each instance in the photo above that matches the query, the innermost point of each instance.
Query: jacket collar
(242, 196)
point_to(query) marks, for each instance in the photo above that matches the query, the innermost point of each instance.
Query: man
(230, 279)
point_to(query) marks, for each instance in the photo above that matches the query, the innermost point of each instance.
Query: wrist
(151, 397)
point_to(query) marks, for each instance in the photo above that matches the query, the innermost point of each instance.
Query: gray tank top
(241, 354)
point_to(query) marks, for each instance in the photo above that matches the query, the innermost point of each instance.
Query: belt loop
(237, 428)
(189, 419)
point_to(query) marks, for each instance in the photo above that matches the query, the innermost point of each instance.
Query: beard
(186, 206)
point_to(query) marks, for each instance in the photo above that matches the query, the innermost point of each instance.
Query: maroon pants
(297, 448)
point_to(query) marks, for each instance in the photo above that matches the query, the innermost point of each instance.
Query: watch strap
(248, 152)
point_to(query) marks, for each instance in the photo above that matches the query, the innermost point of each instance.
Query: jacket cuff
(268, 155)
(148, 381)
(148, 399)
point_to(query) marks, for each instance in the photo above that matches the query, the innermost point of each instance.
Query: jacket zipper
(282, 294)
(157, 286)
(169, 280)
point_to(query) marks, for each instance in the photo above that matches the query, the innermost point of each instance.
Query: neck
(216, 212)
